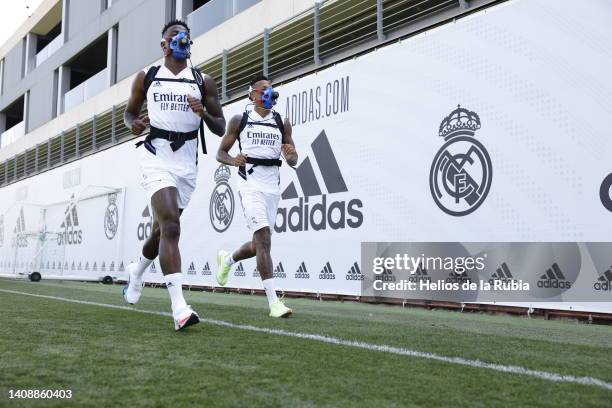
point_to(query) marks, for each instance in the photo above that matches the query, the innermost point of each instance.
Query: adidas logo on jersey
(354, 273)
(323, 213)
(604, 282)
(239, 271)
(191, 270)
(554, 278)
(301, 272)
(279, 271)
(206, 270)
(327, 272)
(156, 84)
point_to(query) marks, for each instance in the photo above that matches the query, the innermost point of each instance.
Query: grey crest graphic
(222, 200)
(461, 172)
(111, 217)
(605, 192)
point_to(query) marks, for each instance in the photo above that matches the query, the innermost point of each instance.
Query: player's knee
(171, 229)
(262, 239)
(156, 232)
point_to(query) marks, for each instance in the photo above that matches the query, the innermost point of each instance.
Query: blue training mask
(180, 45)
(268, 98)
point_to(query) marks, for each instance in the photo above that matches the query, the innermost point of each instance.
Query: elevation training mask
(268, 98)
(180, 45)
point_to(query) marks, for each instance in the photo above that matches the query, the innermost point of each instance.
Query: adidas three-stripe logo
(554, 278)
(191, 270)
(206, 270)
(354, 273)
(318, 215)
(239, 271)
(604, 282)
(302, 272)
(326, 272)
(279, 271)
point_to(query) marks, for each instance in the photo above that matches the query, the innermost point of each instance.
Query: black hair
(257, 78)
(173, 23)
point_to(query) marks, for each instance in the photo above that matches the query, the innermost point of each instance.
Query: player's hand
(139, 125)
(288, 150)
(240, 160)
(196, 105)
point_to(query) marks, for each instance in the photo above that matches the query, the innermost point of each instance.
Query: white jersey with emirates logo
(261, 138)
(169, 109)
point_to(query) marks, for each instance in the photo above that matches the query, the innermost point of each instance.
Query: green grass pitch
(116, 357)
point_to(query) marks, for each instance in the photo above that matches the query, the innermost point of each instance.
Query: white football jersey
(169, 109)
(261, 138)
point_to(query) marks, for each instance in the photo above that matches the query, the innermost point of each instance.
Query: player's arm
(223, 156)
(288, 147)
(134, 106)
(209, 108)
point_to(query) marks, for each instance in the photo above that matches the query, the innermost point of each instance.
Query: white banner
(479, 130)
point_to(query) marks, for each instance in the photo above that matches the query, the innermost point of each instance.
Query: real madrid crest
(111, 217)
(222, 200)
(461, 173)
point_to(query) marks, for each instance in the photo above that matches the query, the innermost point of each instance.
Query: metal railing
(324, 34)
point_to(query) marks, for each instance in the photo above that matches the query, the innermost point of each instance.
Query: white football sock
(268, 285)
(142, 265)
(174, 283)
(229, 260)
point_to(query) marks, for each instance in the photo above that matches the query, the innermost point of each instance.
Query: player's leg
(166, 209)
(136, 270)
(253, 209)
(225, 260)
(263, 246)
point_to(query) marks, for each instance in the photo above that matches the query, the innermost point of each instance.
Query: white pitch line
(545, 375)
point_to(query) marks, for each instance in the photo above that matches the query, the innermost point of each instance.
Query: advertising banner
(481, 130)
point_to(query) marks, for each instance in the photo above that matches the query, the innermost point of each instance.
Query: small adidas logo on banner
(86, 266)
(239, 271)
(121, 267)
(73, 266)
(554, 278)
(604, 282)
(152, 268)
(326, 272)
(279, 272)
(386, 276)
(103, 266)
(191, 270)
(502, 274)
(111, 268)
(301, 272)
(315, 215)
(206, 270)
(419, 275)
(354, 273)
(94, 268)
(256, 273)
(19, 241)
